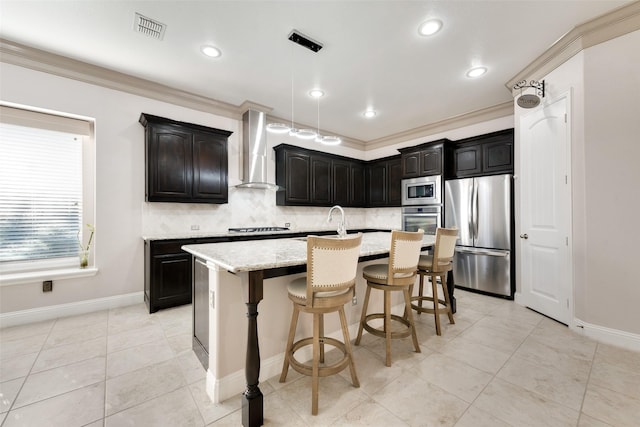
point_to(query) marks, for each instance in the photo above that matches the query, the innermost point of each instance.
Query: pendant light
(307, 134)
(327, 139)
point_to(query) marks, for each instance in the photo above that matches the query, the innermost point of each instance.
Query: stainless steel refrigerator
(481, 209)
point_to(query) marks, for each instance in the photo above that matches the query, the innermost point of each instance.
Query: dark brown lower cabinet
(167, 274)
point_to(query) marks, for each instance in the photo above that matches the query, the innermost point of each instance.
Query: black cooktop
(257, 229)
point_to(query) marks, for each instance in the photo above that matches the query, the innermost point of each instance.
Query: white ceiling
(372, 55)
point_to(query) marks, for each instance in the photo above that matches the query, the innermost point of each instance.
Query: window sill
(37, 276)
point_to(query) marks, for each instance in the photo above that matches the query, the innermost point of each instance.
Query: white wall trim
(607, 335)
(39, 314)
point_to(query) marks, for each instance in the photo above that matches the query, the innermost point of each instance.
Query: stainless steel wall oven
(422, 204)
(429, 218)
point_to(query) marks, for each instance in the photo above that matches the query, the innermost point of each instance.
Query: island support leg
(252, 406)
(451, 286)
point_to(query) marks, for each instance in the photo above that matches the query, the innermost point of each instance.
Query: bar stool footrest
(442, 304)
(380, 332)
(323, 370)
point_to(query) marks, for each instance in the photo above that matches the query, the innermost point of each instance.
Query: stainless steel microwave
(426, 190)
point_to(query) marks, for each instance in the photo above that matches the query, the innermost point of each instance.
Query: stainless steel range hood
(254, 151)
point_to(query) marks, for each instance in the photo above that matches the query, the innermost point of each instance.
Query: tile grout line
(497, 372)
(26, 377)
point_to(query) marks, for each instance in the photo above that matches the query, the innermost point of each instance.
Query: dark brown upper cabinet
(185, 162)
(314, 178)
(487, 154)
(384, 178)
(425, 159)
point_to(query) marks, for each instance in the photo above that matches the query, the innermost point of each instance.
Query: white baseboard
(39, 314)
(598, 333)
(607, 335)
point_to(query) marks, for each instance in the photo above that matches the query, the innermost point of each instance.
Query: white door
(545, 210)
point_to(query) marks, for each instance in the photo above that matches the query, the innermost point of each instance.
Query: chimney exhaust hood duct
(254, 151)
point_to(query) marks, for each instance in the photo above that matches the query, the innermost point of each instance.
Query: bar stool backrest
(444, 248)
(404, 255)
(332, 263)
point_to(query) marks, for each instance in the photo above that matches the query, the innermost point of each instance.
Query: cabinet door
(169, 164)
(497, 157)
(171, 280)
(468, 161)
(297, 178)
(341, 182)
(411, 164)
(358, 193)
(320, 180)
(431, 161)
(394, 185)
(377, 184)
(209, 167)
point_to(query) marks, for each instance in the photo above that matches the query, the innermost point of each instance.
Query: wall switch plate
(212, 299)
(195, 227)
(47, 286)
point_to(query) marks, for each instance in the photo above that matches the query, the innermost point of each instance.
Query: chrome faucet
(341, 231)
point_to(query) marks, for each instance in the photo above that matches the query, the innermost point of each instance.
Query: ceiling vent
(149, 27)
(299, 38)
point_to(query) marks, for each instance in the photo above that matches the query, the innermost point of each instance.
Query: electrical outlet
(195, 227)
(287, 224)
(47, 286)
(354, 300)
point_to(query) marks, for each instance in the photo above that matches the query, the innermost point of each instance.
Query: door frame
(519, 296)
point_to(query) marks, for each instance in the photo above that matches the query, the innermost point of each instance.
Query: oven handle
(421, 214)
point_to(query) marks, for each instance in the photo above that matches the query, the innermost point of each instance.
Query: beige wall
(610, 283)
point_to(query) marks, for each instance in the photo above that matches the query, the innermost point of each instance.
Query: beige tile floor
(499, 365)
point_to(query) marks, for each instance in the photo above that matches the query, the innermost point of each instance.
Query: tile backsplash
(254, 208)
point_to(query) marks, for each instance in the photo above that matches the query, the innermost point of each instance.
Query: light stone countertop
(255, 255)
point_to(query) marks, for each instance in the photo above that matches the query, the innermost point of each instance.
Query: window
(43, 189)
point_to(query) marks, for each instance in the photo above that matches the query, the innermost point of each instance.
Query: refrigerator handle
(475, 210)
(470, 217)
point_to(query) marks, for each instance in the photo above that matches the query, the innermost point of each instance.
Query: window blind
(40, 193)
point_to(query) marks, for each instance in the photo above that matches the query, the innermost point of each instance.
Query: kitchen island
(238, 273)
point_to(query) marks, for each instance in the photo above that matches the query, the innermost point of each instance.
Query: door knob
(524, 236)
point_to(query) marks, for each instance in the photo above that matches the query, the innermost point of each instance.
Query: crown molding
(616, 23)
(40, 60)
(471, 118)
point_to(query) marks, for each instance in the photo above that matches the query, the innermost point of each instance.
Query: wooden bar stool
(434, 266)
(329, 285)
(398, 275)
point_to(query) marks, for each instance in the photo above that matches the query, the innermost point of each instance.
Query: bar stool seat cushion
(380, 272)
(298, 289)
(426, 263)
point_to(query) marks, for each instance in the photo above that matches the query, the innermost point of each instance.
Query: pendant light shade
(278, 128)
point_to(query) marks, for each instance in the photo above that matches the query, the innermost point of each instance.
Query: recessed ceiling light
(316, 93)
(476, 72)
(369, 114)
(430, 27)
(211, 51)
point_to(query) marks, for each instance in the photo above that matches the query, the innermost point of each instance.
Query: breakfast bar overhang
(237, 274)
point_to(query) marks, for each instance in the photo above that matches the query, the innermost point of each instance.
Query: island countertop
(254, 255)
